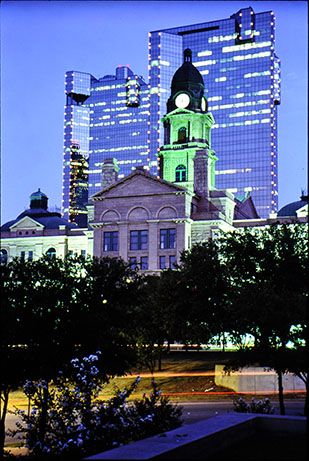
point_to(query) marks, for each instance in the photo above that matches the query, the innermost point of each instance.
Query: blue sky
(40, 41)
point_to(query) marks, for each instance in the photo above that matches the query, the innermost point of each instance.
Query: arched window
(3, 257)
(51, 253)
(182, 134)
(181, 173)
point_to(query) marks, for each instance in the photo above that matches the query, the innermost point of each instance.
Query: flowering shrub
(256, 406)
(70, 420)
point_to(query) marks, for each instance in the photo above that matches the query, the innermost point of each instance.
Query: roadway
(196, 411)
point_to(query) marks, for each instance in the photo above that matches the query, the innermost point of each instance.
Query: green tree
(268, 274)
(109, 299)
(13, 355)
(202, 294)
(155, 318)
(57, 309)
(40, 318)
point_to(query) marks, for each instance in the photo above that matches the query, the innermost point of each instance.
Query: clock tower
(187, 127)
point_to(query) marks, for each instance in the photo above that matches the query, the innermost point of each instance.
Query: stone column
(201, 186)
(123, 240)
(62, 248)
(153, 248)
(38, 250)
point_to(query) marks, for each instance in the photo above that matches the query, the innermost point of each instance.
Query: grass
(201, 366)
(198, 374)
(174, 362)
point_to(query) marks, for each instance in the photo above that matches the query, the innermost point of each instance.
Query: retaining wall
(257, 379)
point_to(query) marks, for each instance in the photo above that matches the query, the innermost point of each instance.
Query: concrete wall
(256, 379)
(205, 438)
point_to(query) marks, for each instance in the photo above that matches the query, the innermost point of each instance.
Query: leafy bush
(256, 406)
(71, 420)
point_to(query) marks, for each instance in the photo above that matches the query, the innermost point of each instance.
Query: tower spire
(187, 55)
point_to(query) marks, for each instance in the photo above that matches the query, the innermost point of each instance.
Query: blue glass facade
(241, 74)
(105, 117)
(76, 147)
(120, 115)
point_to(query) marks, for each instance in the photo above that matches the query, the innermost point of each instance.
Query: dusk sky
(40, 41)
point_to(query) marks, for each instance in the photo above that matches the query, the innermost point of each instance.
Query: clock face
(203, 105)
(182, 100)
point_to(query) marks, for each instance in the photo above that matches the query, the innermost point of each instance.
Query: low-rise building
(37, 231)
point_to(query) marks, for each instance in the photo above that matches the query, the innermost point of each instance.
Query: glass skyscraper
(105, 117)
(120, 115)
(241, 74)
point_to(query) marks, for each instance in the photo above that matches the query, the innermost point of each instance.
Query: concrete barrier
(205, 438)
(257, 379)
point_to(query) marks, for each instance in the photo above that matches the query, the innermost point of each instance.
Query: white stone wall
(256, 379)
(40, 244)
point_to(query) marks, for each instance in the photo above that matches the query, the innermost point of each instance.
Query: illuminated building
(105, 117)
(38, 231)
(119, 116)
(149, 221)
(241, 72)
(78, 187)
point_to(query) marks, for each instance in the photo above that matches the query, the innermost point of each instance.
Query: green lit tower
(187, 132)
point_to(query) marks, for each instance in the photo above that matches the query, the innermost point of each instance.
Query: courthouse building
(37, 231)
(147, 220)
(120, 115)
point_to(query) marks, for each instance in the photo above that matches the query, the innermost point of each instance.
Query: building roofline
(203, 23)
(137, 172)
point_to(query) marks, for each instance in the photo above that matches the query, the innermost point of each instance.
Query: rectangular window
(139, 240)
(162, 262)
(30, 256)
(167, 239)
(144, 263)
(22, 255)
(132, 262)
(172, 262)
(83, 253)
(110, 241)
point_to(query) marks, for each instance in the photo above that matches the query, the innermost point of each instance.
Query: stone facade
(142, 202)
(37, 231)
(32, 241)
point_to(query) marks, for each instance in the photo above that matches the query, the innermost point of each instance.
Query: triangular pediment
(302, 212)
(138, 183)
(26, 223)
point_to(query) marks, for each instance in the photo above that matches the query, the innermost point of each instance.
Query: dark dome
(38, 194)
(47, 219)
(187, 72)
(291, 208)
(38, 200)
(187, 80)
(38, 212)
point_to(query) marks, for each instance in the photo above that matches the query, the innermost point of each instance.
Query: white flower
(93, 357)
